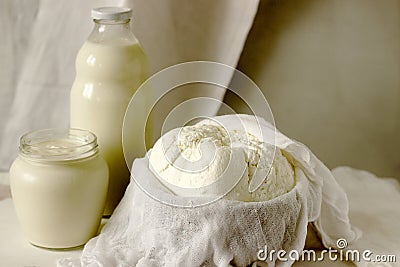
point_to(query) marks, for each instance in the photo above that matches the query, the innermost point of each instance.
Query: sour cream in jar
(59, 185)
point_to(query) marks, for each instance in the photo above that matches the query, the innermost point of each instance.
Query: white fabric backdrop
(39, 44)
(41, 39)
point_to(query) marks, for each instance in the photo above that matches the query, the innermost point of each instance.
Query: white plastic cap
(112, 13)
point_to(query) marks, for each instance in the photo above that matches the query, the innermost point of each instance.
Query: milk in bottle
(110, 66)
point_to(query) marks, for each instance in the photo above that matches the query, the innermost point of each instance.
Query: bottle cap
(112, 13)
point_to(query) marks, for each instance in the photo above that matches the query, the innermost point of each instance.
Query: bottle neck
(112, 31)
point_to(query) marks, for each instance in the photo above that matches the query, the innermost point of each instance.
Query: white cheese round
(207, 155)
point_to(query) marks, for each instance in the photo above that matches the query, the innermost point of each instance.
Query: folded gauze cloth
(184, 216)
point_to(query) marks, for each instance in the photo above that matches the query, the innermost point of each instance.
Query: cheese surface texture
(207, 155)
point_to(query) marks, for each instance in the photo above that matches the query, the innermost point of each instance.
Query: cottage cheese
(200, 155)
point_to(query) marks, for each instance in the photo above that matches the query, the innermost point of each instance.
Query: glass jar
(59, 184)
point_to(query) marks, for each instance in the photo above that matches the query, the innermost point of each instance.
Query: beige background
(331, 72)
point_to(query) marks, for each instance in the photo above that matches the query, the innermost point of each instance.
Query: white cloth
(145, 232)
(39, 46)
(374, 209)
(379, 225)
(40, 40)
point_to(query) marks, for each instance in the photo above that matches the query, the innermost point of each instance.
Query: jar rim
(58, 144)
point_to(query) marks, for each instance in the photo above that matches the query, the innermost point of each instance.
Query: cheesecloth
(145, 232)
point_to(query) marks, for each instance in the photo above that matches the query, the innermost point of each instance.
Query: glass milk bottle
(110, 66)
